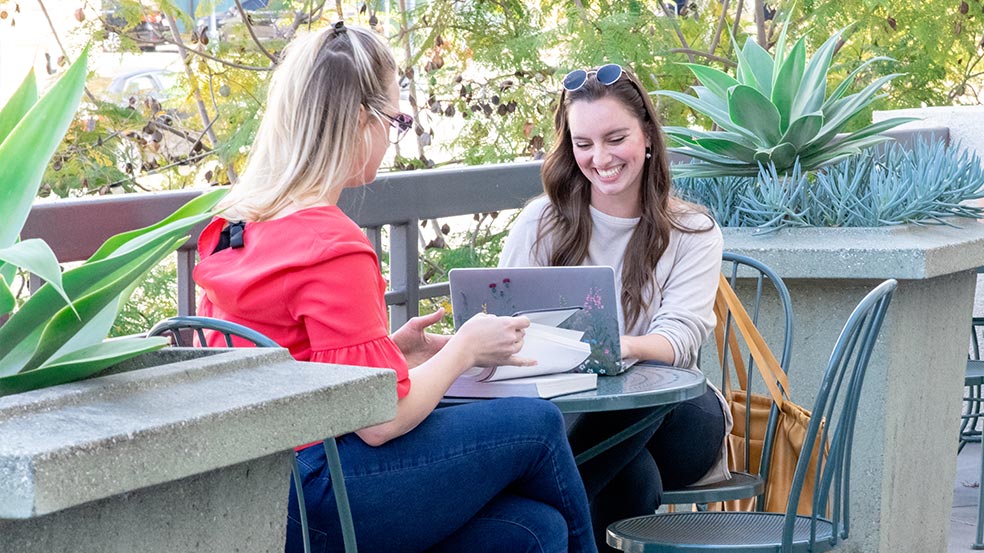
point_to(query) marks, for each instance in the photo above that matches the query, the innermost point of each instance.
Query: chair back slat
(177, 327)
(837, 402)
(762, 284)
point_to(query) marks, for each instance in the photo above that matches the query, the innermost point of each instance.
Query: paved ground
(963, 518)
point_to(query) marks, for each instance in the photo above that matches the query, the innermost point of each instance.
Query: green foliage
(56, 336)
(883, 186)
(153, 300)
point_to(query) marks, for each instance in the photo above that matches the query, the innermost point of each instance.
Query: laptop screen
(510, 290)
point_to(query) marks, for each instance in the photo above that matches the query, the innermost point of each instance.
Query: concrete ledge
(72, 444)
(910, 252)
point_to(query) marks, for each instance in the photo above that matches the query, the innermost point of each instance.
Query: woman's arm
(340, 303)
(484, 340)
(685, 317)
(651, 347)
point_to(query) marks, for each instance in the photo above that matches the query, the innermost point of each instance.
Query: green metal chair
(837, 401)
(181, 329)
(974, 399)
(767, 286)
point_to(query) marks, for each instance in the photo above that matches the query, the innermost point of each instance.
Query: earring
(649, 152)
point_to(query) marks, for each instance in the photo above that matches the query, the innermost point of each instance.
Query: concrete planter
(188, 454)
(905, 449)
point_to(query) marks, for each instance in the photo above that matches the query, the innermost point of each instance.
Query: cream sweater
(686, 281)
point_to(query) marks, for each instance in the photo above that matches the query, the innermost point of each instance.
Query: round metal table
(644, 385)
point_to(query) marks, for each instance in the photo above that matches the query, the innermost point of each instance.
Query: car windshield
(250, 5)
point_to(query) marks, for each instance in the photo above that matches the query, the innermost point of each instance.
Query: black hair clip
(339, 27)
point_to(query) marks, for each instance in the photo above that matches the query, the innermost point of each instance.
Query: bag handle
(766, 362)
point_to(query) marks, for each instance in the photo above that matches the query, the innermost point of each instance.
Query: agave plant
(776, 112)
(57, 335)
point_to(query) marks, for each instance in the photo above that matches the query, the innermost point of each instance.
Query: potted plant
(58, 334)
(170, 453)
(834, 213)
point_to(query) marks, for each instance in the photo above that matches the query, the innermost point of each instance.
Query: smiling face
(610, 149)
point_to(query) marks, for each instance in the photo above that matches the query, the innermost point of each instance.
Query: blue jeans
(487, 476)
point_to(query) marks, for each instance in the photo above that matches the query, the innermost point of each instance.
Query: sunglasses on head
(606, 75)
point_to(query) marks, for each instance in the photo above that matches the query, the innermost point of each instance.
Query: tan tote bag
(793, 419)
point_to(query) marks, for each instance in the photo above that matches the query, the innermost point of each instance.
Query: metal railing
(76, 228)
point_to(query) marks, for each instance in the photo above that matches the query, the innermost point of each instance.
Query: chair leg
(979, 541)
(341, 495)
(301, 505)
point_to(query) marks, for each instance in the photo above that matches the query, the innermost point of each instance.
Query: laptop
(521, 290)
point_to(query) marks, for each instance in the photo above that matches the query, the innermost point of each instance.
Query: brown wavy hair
(567, 220)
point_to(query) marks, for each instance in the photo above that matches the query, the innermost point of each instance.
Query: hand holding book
(495, 340)
(555, 351)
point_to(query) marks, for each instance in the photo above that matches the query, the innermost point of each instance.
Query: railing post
(404, 272)
(186, 285)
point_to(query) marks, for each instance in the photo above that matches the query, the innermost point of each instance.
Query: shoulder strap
(766, 362)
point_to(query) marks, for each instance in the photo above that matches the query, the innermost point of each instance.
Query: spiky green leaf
(727, 148)
(845, 85)
(788, 81)
(719, 117)
(25, 152)
(18, 104)
(751, 110)
(36, 256)
(760, 64)
(80, 364)
(803, 130)
(19, 335)
(65, 325)
(718, 82)
(188, 215)
(813, 88)
(7, 299)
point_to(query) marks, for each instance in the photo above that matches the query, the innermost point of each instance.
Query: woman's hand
(494, 340)
(416, 344)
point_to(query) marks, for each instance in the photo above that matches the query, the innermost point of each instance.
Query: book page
(555, 350)
(548, 317)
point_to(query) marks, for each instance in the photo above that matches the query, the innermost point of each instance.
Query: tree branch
(720, 26)
(197, 93)
(215, 59)
(690, 52)
(62, 47)
(679, 32)
(249, 29)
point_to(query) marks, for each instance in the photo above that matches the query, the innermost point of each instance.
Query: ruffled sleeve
(340, 302)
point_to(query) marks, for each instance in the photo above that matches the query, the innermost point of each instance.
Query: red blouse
(310, 281)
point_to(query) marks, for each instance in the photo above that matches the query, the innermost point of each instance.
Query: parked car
(263, 16)
(143, 83)
(148, 33)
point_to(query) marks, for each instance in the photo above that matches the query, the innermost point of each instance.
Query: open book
(556, 350)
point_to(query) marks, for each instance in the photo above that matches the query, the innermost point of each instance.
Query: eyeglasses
(606, 75)
(401, 122)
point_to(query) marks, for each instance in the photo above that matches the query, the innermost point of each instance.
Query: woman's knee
(537, 415)
(511, 523)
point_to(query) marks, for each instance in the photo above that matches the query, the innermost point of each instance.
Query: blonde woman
(284, 260)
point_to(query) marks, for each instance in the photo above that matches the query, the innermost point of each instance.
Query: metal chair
(178, 329)
(974, 383)
(767, 286)
(837, 402)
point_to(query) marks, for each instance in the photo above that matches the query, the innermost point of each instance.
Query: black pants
(628, 480)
